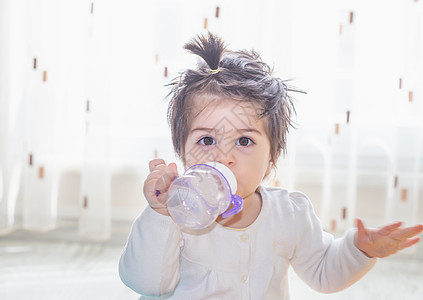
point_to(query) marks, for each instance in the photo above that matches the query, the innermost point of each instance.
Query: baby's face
(229, 132)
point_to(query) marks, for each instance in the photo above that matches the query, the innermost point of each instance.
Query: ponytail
(210, 48)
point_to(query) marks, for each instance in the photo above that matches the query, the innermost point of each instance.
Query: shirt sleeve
(149, 263)
(326, 264)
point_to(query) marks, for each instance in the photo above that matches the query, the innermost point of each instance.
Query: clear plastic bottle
(205, 191)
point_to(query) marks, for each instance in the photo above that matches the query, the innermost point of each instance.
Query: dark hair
(239, 75)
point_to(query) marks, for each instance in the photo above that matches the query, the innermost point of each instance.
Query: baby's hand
(157, 184)
(387, 240)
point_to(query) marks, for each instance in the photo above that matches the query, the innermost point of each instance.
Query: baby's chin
(245, 194)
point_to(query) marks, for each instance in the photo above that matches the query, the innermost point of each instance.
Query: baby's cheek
(199, 155)
(241, 191)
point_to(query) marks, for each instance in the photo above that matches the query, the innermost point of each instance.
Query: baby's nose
(226, 157)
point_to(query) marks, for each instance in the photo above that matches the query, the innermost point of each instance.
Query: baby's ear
(269, 168)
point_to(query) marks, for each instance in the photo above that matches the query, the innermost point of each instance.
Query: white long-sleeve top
(218, 262)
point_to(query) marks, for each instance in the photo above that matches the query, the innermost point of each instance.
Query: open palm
(387, 240)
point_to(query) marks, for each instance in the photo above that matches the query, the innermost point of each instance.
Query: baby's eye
(244, 141)
(207, 141)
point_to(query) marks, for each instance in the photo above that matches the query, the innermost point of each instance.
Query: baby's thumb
(174, 168)
(361, 230)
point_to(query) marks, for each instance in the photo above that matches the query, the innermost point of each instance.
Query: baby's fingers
(150, 190)
(389, 228)
(405, 233)
(408, 243)
(155, 162)
(159, 180)
(165, 175)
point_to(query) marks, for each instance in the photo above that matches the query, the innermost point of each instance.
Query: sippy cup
(205, 191)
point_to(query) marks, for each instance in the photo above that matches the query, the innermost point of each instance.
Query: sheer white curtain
(360, 136)
(82, 109)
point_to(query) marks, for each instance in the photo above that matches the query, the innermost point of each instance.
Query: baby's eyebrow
(243, 130)
(203, 129)
(249, 130)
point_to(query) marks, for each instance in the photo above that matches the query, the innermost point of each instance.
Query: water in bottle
(205, 191)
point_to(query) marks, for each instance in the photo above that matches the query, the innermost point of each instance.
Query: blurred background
(83, 110)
